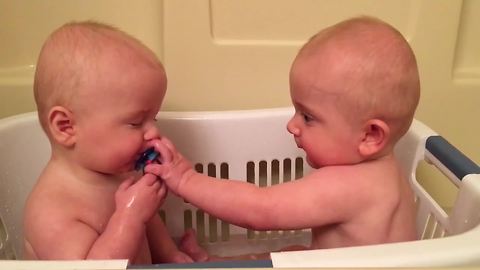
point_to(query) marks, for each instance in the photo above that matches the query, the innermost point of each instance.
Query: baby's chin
(312, 164)
(124, 170)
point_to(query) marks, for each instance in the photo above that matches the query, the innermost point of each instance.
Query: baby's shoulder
(352, 172)
(374, 169)
(47, 201)
(52, 196)
(47, 211)
(368, 177)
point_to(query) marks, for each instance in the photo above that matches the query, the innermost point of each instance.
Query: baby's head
(363, 70)
(98, 91)
(81, 63)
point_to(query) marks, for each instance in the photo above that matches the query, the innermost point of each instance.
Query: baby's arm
(70, 237)
(136, 203)
(316, 200)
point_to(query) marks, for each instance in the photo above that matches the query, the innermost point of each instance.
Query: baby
(355, 88)
(97, 91)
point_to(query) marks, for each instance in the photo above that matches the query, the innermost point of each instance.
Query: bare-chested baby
(97, 91)
(355, 88)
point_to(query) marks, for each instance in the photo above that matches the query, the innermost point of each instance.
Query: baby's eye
(135, 124)
(307, 118)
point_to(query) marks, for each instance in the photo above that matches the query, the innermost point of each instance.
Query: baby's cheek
(125, 157)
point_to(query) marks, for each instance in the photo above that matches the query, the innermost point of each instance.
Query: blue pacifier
(148, 157)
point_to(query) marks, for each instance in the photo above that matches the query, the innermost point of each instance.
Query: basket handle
(450, 157)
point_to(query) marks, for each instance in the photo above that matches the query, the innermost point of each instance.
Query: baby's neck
(386, 153)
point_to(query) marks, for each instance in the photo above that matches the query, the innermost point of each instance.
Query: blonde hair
(385, 75)
(70, 58)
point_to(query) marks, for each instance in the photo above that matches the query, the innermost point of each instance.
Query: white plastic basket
(255, 145)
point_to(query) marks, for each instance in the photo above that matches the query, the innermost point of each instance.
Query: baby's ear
(62, 125)
(375, 136)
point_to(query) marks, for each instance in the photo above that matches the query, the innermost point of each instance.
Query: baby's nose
(151, 132)
(292, 128)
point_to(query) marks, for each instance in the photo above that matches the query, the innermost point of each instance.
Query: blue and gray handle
(452, 158)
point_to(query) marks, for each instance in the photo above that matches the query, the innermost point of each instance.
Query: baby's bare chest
(96, 213)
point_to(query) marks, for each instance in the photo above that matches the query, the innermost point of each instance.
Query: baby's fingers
(165, 152)
(156, 186)
(166, 141)
(155, 169)
(162, 191)
(148, 179)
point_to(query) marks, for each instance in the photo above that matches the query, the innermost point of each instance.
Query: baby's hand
(174, 169)
(142, 198)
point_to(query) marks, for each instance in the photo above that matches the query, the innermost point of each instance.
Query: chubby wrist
(185, 180)
(128, 217)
